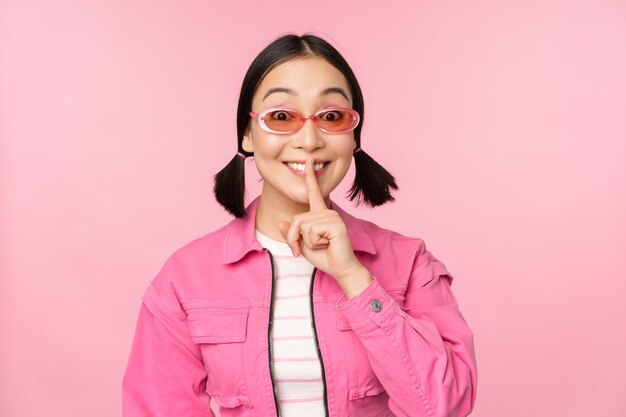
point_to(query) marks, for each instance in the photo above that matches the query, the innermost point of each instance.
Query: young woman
(295, 307)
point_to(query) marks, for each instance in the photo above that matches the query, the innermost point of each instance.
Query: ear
(246, 143)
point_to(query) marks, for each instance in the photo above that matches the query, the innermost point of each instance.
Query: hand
(320, 235)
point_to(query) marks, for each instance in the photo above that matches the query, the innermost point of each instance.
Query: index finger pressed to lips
(316, 199)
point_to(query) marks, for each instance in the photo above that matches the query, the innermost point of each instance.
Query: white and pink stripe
(297, 369)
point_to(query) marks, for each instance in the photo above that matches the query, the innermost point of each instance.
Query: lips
(303, 161)
(301, 173)
(317, 162)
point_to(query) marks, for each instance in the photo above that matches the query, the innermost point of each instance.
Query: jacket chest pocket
(220, 331)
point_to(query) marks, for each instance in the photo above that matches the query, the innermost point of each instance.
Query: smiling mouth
(300, 166)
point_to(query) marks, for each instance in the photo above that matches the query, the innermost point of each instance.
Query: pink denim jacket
(399, 348)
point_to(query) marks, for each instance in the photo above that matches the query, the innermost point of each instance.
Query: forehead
(308, 77)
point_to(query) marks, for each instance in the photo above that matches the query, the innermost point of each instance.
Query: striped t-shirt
(297, 369)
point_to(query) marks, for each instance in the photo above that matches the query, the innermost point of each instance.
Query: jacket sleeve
(421, 352)
(165, 375)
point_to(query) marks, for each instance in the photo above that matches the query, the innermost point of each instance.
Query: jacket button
(376, 305)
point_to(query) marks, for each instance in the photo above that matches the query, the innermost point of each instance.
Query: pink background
(503, 122)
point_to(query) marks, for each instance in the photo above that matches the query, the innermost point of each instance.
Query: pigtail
(372, 182)
(230, 184)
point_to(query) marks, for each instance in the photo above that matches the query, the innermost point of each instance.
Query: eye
(281, 115)
(331, 116)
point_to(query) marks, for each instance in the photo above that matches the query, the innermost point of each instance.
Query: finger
(285, 228)
(323, 231)
(314, 241)
(314, 233)
(316, 199)
(293, 235)
(307, 241)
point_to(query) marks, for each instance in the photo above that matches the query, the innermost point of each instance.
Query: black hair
(372, 182)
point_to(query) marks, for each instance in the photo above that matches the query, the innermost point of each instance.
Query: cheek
(266, 146)
(343, 161)
(342, 167)
(344, 146)
(267, 151)
(347, 144)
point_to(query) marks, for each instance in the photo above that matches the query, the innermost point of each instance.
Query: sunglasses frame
(259, 117)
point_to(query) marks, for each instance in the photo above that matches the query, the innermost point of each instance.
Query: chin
(300, 198)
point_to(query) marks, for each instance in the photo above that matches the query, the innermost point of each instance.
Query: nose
(309, 137)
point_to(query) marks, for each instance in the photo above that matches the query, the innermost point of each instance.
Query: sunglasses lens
(289, 121)
(282, 120)
(336, 120)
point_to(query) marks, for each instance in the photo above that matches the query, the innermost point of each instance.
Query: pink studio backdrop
(503, 123)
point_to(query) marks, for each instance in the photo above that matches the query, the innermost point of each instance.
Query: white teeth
(300, 167)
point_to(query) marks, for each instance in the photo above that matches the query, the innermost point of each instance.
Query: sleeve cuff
(368, 310)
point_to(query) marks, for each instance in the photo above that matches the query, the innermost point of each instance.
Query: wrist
(356, 282)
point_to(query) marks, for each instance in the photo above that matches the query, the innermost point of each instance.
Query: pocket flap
(342, 323)
(217, 324)
(369, 391)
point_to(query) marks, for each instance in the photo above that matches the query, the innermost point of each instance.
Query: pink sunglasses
(284, 121)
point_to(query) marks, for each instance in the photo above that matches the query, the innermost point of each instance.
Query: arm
(422, 352)
(165, 375)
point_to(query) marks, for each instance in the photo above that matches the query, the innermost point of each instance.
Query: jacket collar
(240, 235)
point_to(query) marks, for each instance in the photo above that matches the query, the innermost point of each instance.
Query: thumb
(283, 226)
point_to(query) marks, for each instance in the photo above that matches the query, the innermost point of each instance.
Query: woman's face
(309, 80)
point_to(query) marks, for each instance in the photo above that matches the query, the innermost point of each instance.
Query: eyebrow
(326, 92)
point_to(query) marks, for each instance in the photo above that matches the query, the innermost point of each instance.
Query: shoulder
(385, 239)
(205, 247)
(402, 252)
(371, 237)
(185, 268)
